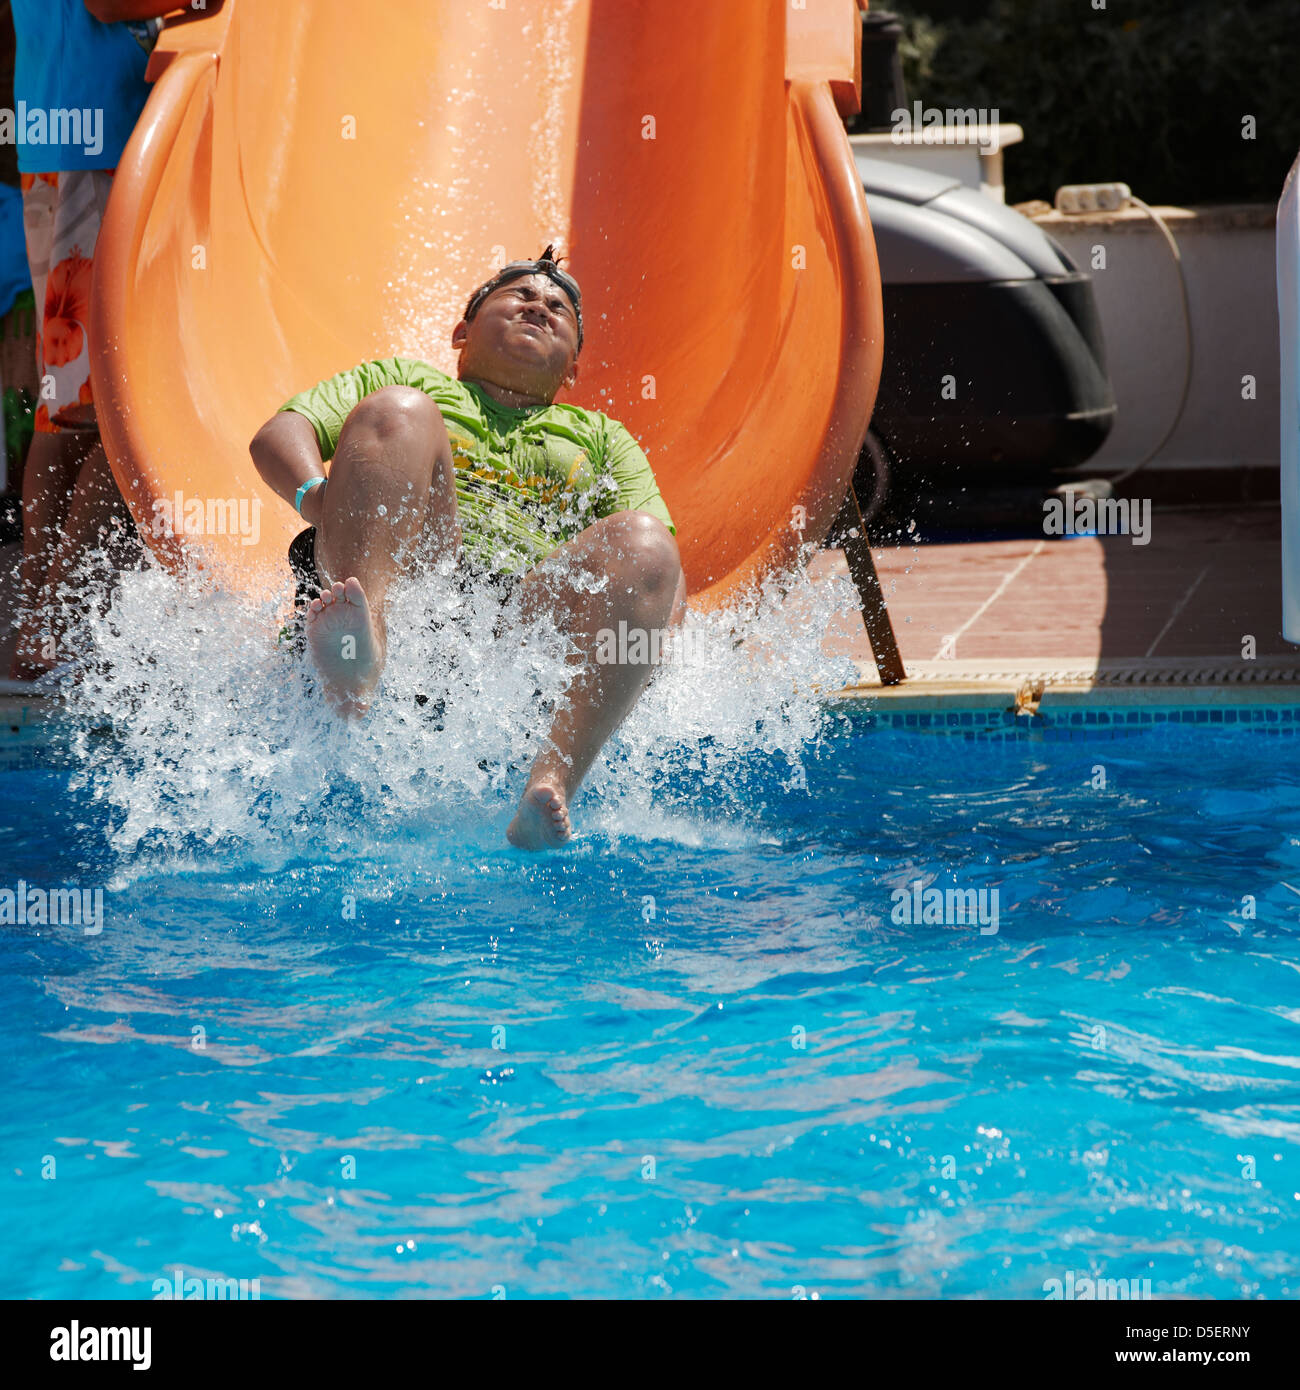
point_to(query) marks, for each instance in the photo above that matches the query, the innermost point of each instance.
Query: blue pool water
(756, 1084)
(336, 1036)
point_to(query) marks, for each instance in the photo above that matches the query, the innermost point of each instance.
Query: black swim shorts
(302, 560)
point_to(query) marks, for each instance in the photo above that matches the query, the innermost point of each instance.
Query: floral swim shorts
(62, 214)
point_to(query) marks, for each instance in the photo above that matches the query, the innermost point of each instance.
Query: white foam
(219, 743)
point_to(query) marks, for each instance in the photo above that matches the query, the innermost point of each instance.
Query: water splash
(451, 233)
(203, 735)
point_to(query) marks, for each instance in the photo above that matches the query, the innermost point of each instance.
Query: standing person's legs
(99, 536)
(391, 492)
(49, 477)
(62, 214)
(638, 555)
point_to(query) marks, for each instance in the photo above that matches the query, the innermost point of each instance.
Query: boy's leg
(391, 490)
(646, 591)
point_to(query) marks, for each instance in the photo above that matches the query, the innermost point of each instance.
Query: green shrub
(1153, 92)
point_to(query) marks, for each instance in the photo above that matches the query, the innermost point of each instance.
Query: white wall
(1229, 261)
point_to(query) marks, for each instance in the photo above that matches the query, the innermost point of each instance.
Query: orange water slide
(314, 184)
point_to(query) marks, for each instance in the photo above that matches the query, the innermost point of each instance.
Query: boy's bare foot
(346, 647)
(542, 821)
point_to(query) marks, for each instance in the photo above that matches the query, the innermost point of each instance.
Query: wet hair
(547, 264)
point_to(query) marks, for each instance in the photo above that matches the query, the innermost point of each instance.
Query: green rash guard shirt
(527, 478)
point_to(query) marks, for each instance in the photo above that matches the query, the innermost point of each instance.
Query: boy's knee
(643, 545)
(396, 410)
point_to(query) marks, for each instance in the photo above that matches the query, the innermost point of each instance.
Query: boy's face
(524, 337)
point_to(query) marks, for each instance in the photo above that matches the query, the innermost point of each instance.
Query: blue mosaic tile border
(32, 747)
(41, 747)
(1067, 724)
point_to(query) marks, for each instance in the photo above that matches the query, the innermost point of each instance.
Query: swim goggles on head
(546, 265)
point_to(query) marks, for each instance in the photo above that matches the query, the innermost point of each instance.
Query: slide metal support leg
(871, 599)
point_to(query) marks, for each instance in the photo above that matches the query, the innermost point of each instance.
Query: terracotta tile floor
(1208, 577)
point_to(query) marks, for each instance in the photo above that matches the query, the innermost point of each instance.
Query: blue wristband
(304, 490)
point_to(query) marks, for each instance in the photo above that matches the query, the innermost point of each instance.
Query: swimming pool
(695, 1055)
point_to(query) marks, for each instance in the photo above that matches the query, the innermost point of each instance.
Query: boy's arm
(291, 447)
(286, 454)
